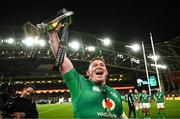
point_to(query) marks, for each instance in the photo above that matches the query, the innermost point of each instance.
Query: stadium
(23, 61)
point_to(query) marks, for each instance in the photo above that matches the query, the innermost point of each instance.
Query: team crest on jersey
(109, 103)
(96, 89)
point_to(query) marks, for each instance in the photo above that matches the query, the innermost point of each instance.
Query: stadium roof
(19, 61)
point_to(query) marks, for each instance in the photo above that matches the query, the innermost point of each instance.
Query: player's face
(97, 71)
(130, 91)
(135, 91)
(143, 91)
(28, 91)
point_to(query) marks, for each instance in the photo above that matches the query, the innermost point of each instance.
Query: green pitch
(65, 110)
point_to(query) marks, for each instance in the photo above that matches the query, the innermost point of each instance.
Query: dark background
(127, 20)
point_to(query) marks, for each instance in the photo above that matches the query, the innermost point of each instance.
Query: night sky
(123, 20)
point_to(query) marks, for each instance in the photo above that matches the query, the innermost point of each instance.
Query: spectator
(24, 106)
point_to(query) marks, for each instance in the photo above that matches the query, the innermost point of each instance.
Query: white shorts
(138, 106)
(146, 105)
(160, 105)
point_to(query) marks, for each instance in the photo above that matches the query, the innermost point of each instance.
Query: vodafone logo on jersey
(109, 103)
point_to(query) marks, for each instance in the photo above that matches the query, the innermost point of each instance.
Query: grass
(65, 110)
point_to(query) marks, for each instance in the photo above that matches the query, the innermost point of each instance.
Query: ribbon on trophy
(62, 48)
(62, 17)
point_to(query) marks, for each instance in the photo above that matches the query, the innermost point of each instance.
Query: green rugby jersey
(137, 97)
(159, 97)
(88, 100)
(145, 98)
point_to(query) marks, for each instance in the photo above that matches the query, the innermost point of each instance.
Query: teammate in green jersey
(160, 101)
(145, 99)
(137, 101)
(91, 98)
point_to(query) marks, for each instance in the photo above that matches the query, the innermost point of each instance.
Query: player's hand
(56, 29)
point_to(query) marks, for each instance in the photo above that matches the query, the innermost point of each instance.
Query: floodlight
(91, 48)
(75, 45)
(10, 40)
(106, 41)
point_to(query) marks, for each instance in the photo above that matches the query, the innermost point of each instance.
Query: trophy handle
(30, 30)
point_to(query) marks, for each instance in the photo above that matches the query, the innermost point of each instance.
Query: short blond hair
(97, 58)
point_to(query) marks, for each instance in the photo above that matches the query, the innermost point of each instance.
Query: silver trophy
(62, 17)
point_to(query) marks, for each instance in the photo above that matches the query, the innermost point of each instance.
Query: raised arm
(55, 42)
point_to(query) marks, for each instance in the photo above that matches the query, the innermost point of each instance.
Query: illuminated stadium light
(156, 57)
(28, 41)
(121, 75)
(60, 81)
(120, 79)
(134, 47)
(106, 41)
(42, 43)
(11, 57)
(35, 42)
(10, 40)
(110, 79)
(75, 45)
(115, 79)
(90, 48)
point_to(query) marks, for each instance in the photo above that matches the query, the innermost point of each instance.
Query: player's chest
(145, 96)
(96, 95)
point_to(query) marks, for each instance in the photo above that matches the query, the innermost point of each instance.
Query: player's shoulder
(113, 90)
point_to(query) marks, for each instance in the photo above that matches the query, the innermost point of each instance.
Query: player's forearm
(54, 41)
(66, 66)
